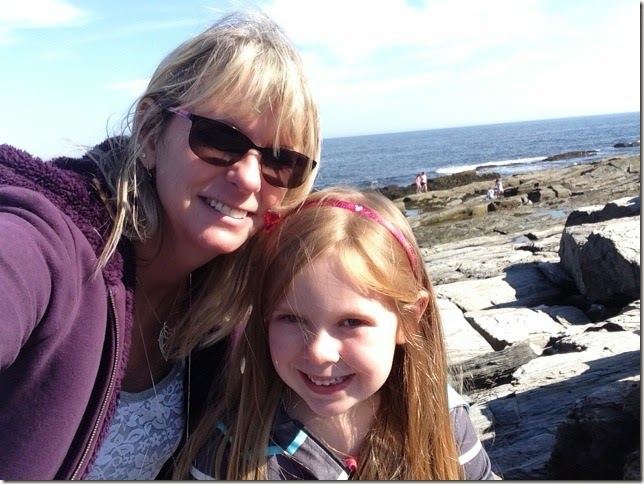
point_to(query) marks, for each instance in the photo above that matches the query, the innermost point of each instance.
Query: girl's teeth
(326, 383)
(226, 210)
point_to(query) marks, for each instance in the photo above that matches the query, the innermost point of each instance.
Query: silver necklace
(163, 336)
(164, 332)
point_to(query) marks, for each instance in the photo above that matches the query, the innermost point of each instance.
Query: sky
(71, 69)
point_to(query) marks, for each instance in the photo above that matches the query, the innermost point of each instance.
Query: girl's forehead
(330, 273)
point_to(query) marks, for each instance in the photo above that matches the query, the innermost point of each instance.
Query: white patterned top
(144, 432)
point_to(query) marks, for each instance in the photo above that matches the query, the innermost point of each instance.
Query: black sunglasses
(222, 145)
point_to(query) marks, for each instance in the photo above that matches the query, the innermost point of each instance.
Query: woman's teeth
(326, 383)
(226, 210)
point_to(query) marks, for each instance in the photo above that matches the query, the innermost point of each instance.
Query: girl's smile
(326, 385)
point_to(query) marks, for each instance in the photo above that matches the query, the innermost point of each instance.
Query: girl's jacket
(295, 453)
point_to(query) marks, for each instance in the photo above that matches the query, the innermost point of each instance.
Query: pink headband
(272, 219)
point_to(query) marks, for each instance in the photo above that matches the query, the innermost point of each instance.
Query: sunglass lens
(288, 170)
(216, 143)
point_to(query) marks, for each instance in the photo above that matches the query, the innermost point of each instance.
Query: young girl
(340, 371)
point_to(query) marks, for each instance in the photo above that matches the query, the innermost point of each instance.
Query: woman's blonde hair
(245, 62)
(412, 435)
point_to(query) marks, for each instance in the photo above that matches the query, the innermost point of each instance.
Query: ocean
(375, 161)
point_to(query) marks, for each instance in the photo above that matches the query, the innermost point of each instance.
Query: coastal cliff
(539, 294)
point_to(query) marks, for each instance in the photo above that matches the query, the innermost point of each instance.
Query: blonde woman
(340, 371)
(111, 265)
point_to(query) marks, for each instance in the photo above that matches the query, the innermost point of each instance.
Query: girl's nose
(323, 348)
(246, 173)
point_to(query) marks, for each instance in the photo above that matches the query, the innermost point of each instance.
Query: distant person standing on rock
(423, 182)
(498, 187)
(419, 183)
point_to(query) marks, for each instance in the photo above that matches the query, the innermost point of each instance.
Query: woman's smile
(226, 210)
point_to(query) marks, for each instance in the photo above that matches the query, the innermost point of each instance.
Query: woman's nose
(246, 173)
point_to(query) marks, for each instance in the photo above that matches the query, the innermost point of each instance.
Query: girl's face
(332, 343)
(211, 210)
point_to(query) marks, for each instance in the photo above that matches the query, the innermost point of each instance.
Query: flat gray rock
(505, 326)
(461, 339)
(522, 285)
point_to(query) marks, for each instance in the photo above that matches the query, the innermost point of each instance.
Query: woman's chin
(216, 241)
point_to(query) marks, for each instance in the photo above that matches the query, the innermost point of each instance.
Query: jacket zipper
(108, 394)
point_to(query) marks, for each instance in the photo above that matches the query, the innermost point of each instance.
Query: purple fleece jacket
(64, 335)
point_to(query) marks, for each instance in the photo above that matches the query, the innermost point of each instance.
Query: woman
(111, 264)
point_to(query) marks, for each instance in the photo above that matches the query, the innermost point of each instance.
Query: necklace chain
(164, 332)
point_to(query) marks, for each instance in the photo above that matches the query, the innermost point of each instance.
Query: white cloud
(38, 13)
(468, 62)
(31, 14)
(358, 28)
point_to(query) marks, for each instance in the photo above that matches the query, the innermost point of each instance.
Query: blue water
(375, 161)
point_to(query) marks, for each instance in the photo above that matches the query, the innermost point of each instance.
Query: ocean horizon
(375, 161)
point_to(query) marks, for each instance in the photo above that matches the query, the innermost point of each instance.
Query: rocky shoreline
(539, 296)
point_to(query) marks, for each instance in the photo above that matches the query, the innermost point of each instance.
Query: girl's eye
(288, 318)
(352, 323)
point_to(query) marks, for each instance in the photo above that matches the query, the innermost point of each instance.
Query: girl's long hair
(412, 436)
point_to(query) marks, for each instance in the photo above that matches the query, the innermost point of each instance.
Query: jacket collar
(295, 452)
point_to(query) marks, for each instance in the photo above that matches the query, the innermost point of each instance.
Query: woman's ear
(147, 156)
(419, 308)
